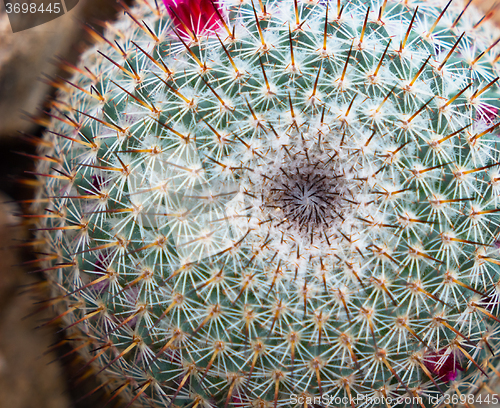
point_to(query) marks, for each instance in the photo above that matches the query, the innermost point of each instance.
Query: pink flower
(237, 401)
(491, 301)
(100, 267)
(194, 17)
(443, 364)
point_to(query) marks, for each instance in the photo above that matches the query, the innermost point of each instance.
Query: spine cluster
(242, 204)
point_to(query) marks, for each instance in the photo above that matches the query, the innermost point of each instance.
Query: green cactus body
(299, 202)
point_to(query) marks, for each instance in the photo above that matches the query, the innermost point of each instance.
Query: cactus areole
(279, 203)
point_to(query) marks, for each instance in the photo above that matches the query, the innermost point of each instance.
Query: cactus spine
(279, 200)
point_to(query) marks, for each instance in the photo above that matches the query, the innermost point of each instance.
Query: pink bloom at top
(194, 16)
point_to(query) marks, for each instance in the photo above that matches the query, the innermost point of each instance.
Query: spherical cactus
(280, 203)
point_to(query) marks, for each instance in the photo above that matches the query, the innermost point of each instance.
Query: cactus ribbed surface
(276, 200)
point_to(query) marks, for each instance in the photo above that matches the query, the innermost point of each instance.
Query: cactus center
(306, 194)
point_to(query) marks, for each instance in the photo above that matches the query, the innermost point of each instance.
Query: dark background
(37, 366)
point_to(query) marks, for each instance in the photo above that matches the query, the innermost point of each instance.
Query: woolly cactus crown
(279, 199)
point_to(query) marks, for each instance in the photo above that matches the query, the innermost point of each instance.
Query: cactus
(279, 203)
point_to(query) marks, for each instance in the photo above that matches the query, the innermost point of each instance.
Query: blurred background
(37, 367)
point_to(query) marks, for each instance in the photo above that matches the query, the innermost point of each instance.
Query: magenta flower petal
(442, 365)
(194, 16)
(487, 113)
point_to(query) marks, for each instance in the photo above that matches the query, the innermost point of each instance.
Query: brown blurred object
(10, 276)
(491, 7)
(27, 379)
(25, 56)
